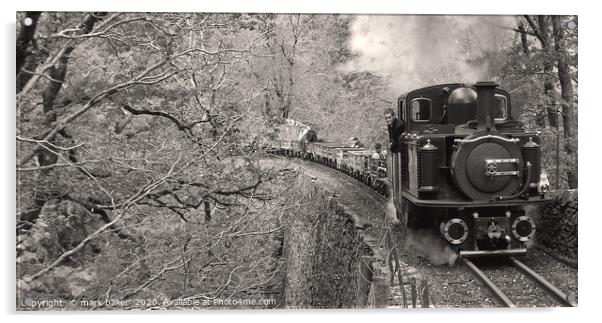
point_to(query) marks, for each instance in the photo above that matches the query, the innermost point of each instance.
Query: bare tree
(133, 126)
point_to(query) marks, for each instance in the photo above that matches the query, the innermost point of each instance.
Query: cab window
(421, 109)
(500, 108)
(403, 110)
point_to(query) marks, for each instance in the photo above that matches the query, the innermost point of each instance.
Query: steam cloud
(391, 212)
(432, 245)
(426, 241)
(414, 51)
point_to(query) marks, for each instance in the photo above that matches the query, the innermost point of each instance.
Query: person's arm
(402, 130)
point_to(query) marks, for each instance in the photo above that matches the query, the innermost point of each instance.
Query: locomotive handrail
(465, 141)
(523, 189)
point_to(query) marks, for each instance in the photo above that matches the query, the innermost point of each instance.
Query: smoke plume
(425, 241)
(430, 244)
(414, 51)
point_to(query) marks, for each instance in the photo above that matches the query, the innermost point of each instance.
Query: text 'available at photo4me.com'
(180, 303)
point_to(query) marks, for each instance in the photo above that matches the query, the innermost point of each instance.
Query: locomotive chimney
(485, 105)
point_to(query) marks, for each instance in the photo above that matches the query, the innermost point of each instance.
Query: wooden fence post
(425, 301)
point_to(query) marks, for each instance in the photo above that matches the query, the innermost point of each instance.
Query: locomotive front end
(468, 168)
(497, 171)
(491, 164)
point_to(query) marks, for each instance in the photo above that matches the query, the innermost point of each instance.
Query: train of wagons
(466, 167)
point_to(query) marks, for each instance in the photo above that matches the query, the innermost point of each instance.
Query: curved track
(508, 288)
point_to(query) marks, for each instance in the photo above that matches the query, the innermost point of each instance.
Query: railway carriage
(344, 159)
(376, 173)
(289, 138)
(290, 146)
(274, 146)
(468, 167)
(357, 162)
(326, 153)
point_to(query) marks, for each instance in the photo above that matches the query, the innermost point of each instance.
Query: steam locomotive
(469, 167)
(466, 167)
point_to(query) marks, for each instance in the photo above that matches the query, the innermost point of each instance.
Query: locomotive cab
(467, 167)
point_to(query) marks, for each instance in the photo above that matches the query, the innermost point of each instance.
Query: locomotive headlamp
(454, 230)
(544, 184)
(523, 228)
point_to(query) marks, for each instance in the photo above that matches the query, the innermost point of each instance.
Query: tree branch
(88, 24)
(158, 275)
(126, 205)
(536, 31)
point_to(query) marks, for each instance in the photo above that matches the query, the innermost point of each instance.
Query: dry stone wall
(557, 225)
(328, 265)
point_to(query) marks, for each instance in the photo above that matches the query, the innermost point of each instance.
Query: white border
(590, 107)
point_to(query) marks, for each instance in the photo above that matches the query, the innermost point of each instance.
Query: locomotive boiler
(467, 167)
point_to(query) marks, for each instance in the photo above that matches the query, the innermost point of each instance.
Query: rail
(558, 295)
(498, 295)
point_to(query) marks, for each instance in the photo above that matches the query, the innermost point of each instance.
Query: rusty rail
(497, 294)
(501, 299)
(558, 295)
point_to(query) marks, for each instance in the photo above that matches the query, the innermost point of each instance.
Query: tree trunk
(523, 37)
(542, 31)
(27, 60)
(548, 65)
(25, 37)
(566, 89)
(289, 96)
(57, 74)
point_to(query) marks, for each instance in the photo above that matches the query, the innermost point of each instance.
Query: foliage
(153, 133)
(537, 94)
(140, 171)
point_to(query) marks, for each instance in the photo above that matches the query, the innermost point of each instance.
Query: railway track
(516, 285)
(509, 289)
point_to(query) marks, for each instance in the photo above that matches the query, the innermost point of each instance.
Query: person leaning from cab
(396, 128)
